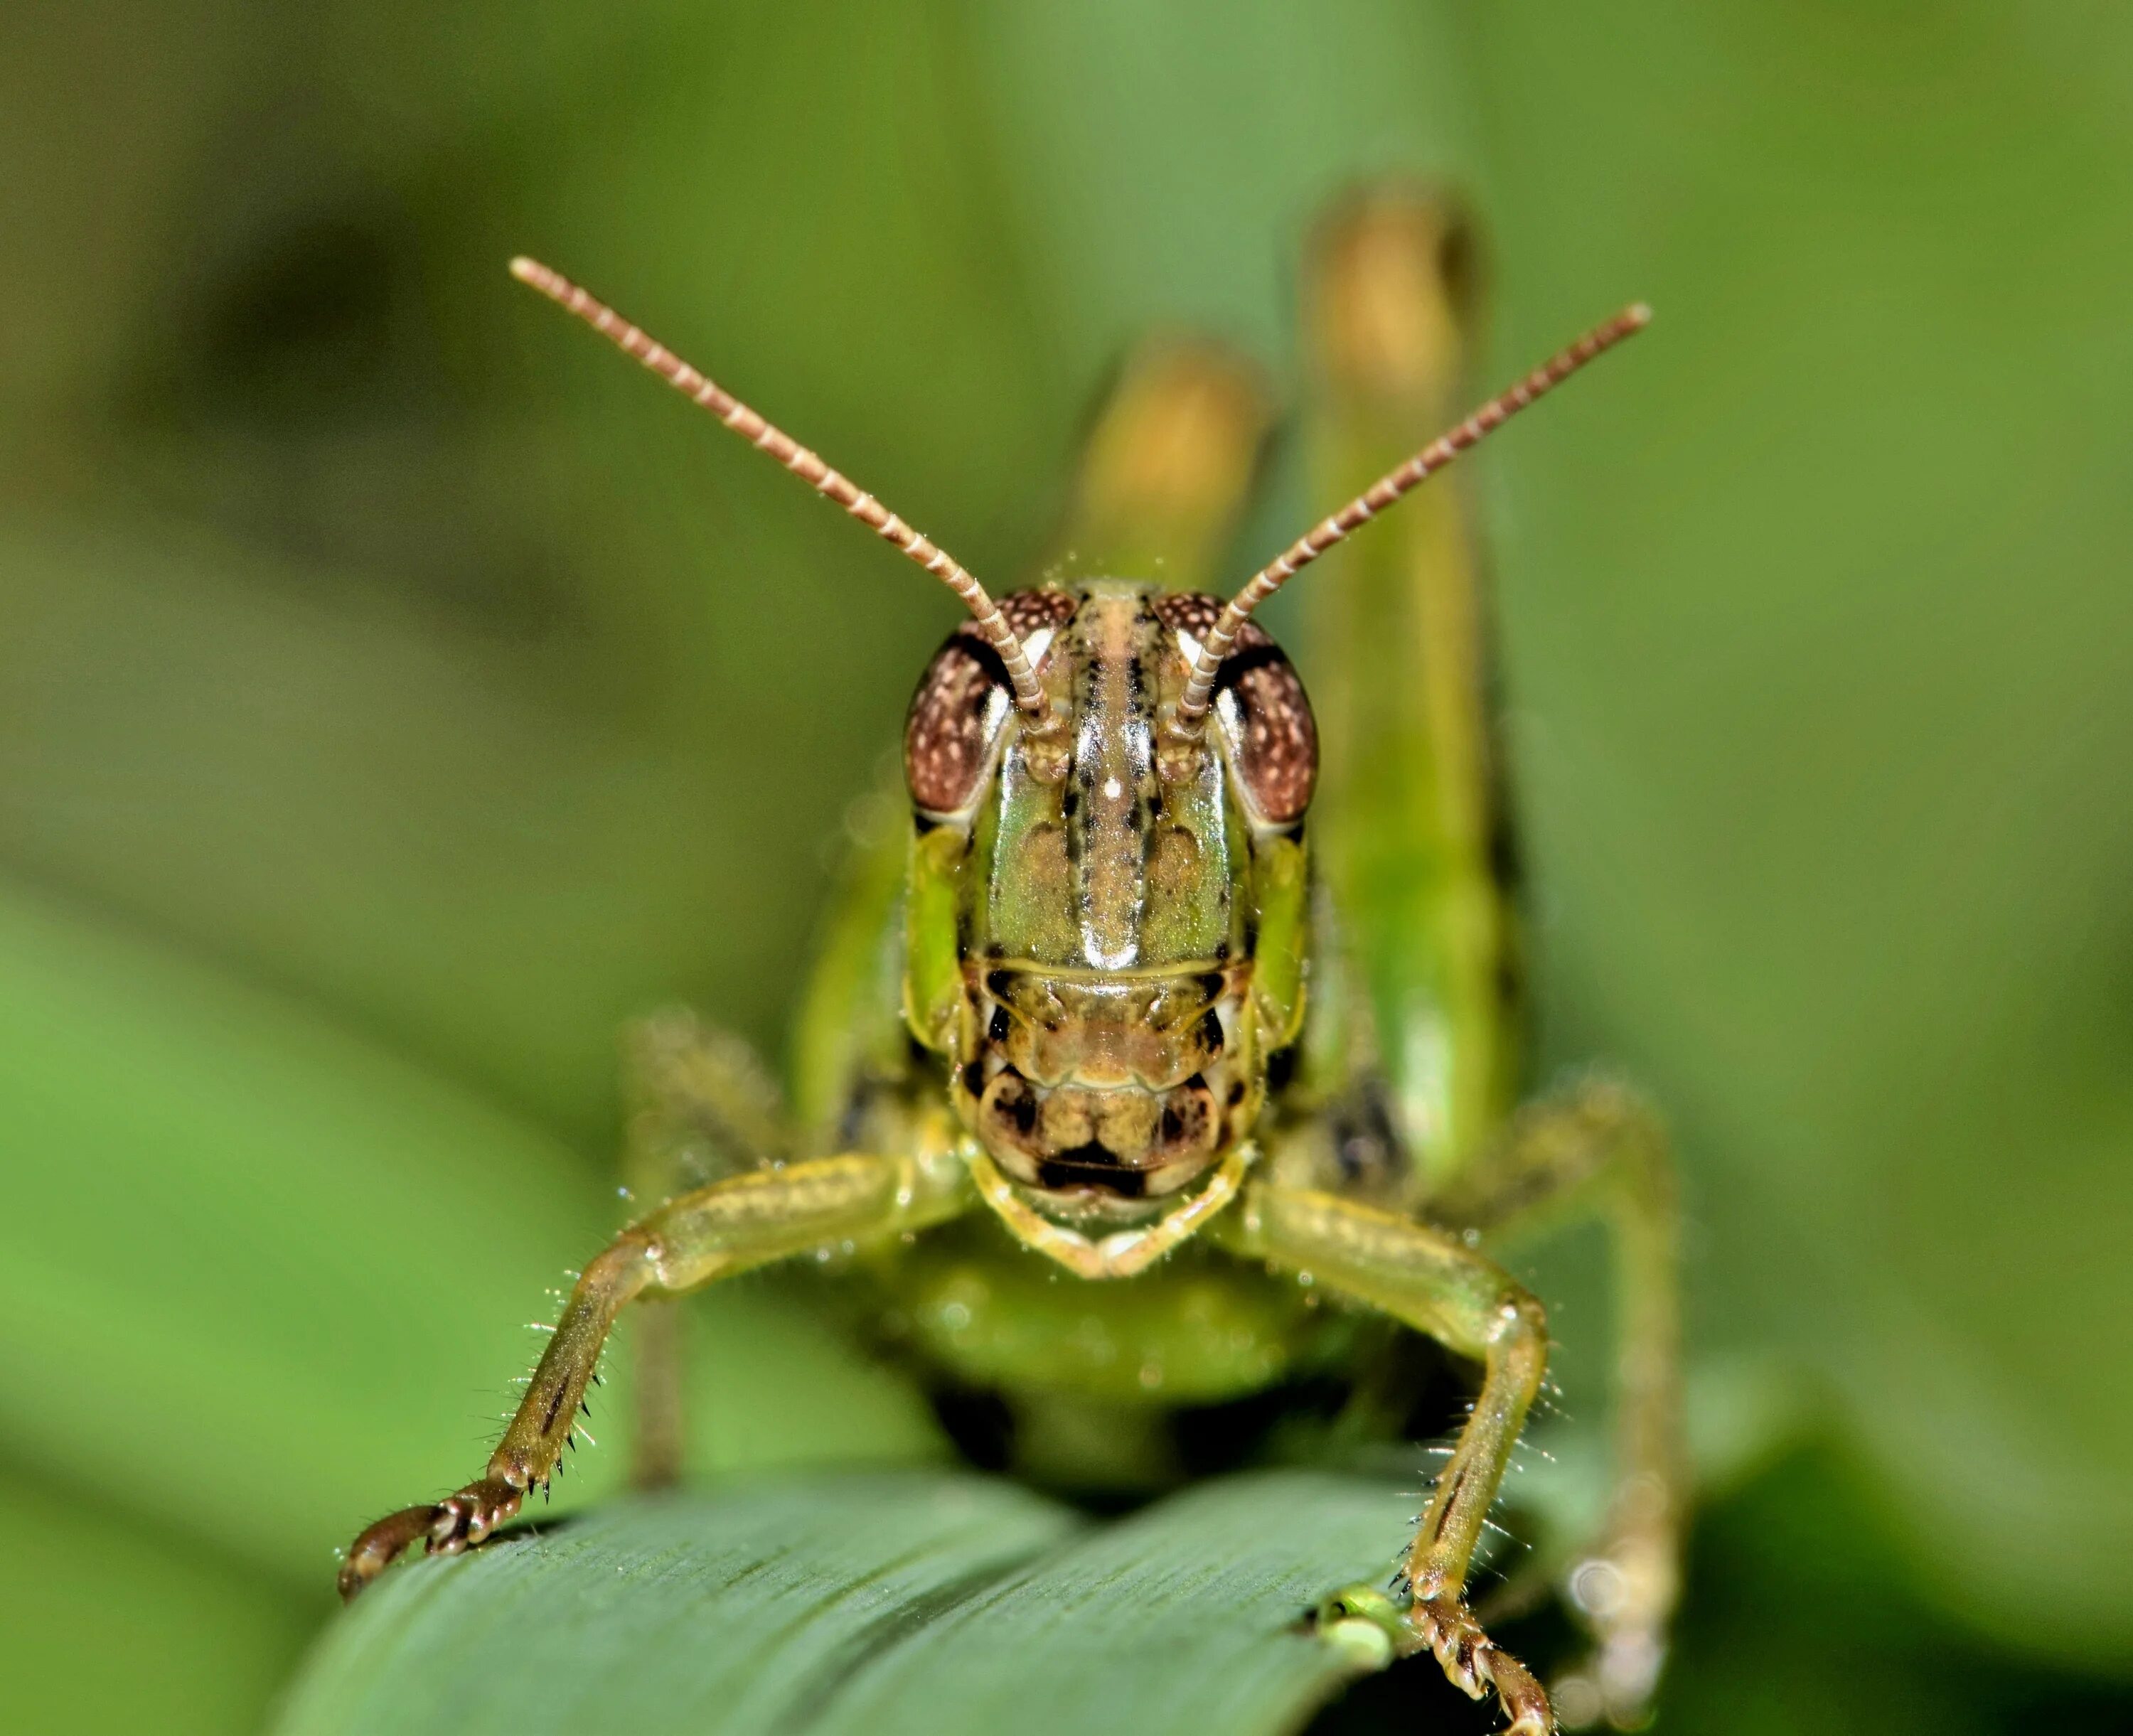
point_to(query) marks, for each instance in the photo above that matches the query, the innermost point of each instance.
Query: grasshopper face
(1094, 898)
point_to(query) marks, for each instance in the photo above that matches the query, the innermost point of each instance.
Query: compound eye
(956, 718)
(1259, 703)
(1273, 738)
(963, 701)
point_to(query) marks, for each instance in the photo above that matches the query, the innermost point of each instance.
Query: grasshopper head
(1105, 927)
(1105, 912)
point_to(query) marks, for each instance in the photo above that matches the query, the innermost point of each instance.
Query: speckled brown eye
(1263, 710)
(962, 703)
(1274, 735)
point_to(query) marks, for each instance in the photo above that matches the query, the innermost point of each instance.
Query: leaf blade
(919, 1600)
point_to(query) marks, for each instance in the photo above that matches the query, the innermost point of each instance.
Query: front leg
(1600, 1147)
(731, 1226)
(1434, 1283)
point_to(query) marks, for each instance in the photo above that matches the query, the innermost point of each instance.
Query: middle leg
(698, 1105)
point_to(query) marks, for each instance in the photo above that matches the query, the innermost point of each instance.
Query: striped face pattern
(1108, 1048)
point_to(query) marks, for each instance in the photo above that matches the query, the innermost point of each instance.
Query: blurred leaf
(410, 656)
(111, 1626)
(1804, 1618)
(268, 1282)
(1823, 670)
(259, 1272)
(946, 1604)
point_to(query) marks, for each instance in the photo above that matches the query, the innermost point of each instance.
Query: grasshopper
(1098, 1009)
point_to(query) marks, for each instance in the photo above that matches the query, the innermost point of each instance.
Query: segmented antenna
(1199, 686)
(693, 384)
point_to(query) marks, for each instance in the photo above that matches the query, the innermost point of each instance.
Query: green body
(1133, 1081)
(1401, 1061)
(970, 1303)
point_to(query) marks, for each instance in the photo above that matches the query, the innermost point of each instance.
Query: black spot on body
(1454, 1484)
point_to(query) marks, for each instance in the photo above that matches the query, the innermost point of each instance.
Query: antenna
(693, 384)
(1221, 639)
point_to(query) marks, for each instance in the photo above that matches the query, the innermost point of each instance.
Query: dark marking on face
(1210, 1032)
(1007, 1105)
(1060, 1174)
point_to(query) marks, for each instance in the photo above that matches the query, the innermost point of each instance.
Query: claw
(447, 1528)
(1475, 1663)
(469, 1517)
(377, 1547)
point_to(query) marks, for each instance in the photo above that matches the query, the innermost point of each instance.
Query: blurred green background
(397, 693)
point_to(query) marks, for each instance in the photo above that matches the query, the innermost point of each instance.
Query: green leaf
(910, 1601)
(203, 1642)
(266, 1280)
